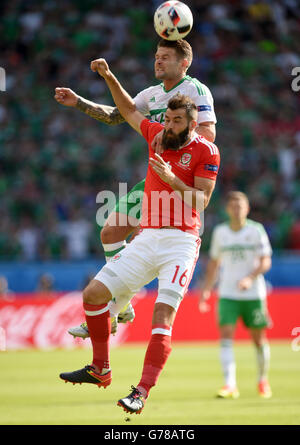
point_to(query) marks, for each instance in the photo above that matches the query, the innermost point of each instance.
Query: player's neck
(237, 224)
(188, 141)
(171, 83)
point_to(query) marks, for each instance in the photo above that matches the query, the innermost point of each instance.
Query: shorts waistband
(169, 227)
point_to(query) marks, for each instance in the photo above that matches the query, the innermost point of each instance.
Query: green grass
(32, 394)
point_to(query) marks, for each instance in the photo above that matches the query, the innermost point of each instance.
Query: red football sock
(98, 322)
(157, 354)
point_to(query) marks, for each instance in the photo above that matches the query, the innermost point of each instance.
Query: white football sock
(115, 307)
(110, 250)
(228, 363)
(263, 361)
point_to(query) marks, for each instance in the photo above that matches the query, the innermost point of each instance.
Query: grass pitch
(31, 392)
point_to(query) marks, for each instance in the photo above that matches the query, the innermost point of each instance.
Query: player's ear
(193, 124)
(185, 64)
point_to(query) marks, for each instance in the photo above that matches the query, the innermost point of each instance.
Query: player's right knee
(96, 293)
(114, 234)
(117, 228)
(89, 296)
(107, 235)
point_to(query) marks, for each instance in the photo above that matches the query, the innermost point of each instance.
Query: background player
(241, 249)
(172, 60)
(168, 251)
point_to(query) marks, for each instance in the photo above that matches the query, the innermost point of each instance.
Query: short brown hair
(182, 101)
(182, 48)
(235, 194)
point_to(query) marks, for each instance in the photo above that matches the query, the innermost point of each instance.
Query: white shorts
(167, 254)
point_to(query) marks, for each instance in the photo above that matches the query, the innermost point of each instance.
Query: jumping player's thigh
(128, 209)
(117, 228)
(175, 275)
(130, 269)
(125, 218)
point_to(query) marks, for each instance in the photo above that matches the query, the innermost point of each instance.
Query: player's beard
(173, 141)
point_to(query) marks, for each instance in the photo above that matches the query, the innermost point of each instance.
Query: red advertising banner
(39, 320)
(42, 321)
(191, 325)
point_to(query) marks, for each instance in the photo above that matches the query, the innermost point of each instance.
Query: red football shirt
(162, 206)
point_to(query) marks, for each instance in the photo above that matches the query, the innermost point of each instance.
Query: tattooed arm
(102, 113)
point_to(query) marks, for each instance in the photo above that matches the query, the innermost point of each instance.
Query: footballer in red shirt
(196, 158)
(178, 182)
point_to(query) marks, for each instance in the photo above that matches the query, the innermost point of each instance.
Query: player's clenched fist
(100, 66)
(65, 96)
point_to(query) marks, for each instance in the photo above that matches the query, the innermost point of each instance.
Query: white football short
(170, 255)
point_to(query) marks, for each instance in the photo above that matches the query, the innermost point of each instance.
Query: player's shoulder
(196, 86)
(152, 124)
(204, 146)
(220, 229)
(150, 128)
(153, 89)
(255, 226)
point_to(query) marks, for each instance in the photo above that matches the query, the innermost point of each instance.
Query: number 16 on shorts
(182, 279)
(174, 284)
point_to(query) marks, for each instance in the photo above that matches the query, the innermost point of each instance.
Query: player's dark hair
(182, 101)
(182, 47)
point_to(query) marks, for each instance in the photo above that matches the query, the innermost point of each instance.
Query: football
(173, 20)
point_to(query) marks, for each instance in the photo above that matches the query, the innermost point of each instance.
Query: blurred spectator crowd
(54, 160)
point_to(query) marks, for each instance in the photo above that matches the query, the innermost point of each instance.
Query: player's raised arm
(102, 113)
(207, 130)
(122, 99)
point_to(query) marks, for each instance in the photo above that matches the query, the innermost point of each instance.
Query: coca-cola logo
(43, 322)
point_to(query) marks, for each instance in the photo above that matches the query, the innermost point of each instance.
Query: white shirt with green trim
(153, 100)
(239, 253)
